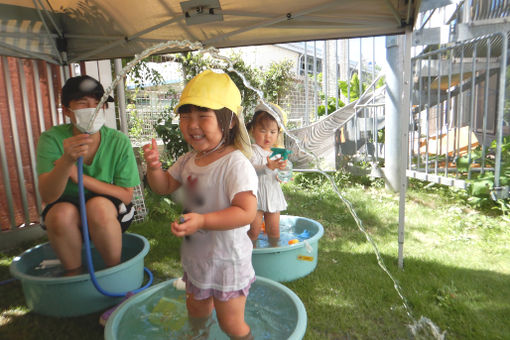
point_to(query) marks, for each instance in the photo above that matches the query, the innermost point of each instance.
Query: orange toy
(294, 241)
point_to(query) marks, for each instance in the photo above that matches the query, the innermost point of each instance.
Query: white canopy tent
(70, 31)
(65, 31)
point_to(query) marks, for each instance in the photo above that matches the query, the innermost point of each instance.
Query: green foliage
(446, 295)
(275, 83)
(194, 63)
(135, 123)
(381, 135)
(317, 181)
(252, 75)
(343, 90)
(278, 81)
(159, 207)
(142, 74)
(321, 111)
(381, 82)
(354, 93)
(481, 186)
(170, 134)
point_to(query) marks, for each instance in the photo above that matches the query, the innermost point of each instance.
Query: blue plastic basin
(273, 311)
(290, 262)
(76, 295)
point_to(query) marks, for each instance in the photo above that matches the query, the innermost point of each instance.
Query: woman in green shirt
(110, 173)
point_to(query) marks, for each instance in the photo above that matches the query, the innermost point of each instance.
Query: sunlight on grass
(5, 262)
(442, 241)
(9, 315)
(456, 267)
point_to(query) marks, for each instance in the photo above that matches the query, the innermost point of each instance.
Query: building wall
(15, 131)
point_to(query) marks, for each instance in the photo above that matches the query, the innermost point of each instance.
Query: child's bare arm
(241, 212)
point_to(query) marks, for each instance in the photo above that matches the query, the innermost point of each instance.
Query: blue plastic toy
(303, 236)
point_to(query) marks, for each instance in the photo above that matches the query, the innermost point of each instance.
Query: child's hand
(279, 180)
(276, 163)
(282, 164)
(151, 155)
(192, 222)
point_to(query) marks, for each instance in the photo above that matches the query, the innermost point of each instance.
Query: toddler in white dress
(270, 199)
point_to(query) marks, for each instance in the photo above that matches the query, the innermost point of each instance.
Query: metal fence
(459, 111)
(319, 67)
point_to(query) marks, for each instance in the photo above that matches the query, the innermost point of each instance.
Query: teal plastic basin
(273, 311)
(76, 295)
(290, 262)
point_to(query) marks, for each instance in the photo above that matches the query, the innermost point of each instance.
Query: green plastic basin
(76, 295)
(290, 262)
(273, 311)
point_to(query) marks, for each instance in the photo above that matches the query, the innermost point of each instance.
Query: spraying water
(423, 328)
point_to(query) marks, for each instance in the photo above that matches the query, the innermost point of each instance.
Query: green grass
(456, 268)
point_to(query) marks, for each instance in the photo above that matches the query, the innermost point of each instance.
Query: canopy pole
(404, 143)
(393, 111)
(121, 97)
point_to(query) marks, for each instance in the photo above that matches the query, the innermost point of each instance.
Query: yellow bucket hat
(215, 91)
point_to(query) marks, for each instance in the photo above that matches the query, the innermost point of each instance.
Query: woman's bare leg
(63, 227)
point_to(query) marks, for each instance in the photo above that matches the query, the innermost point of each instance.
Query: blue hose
(4, 282)
(83, 213)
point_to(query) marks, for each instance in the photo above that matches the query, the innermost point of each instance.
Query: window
(309, 61)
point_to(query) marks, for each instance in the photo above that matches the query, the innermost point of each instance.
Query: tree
(278, 81)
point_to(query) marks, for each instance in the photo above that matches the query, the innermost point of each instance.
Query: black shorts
(125, 213)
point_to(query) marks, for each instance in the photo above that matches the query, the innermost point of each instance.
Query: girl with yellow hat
(220, 187)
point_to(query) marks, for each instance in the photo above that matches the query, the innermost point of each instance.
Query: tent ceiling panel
(64, 31)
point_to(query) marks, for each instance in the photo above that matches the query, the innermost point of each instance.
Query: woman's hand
(188, 224)
(76, 147)
(151, 155)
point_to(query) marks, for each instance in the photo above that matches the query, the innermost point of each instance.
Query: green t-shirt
(113, 163)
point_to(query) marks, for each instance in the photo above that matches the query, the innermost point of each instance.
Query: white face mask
(83, 117)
